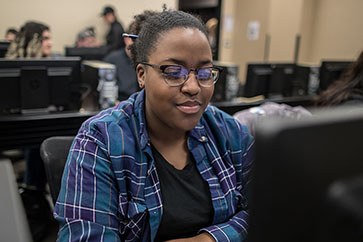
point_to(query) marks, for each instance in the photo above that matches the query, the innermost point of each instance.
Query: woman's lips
(189, 107)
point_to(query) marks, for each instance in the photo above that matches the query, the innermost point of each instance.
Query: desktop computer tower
(99, 79)
(306, 80)
(226, 88)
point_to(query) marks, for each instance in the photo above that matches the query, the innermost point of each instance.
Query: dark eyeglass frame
(186, 77)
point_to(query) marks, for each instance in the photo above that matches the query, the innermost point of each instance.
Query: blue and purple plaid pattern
(110, 188)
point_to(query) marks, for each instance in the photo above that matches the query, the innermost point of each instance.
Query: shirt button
(203, 138)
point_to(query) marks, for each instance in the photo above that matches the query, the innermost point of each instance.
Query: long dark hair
(28, 41)
(350, 83)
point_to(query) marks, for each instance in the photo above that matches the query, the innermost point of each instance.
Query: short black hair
(12, 31)
(157, 25)
(139, 20)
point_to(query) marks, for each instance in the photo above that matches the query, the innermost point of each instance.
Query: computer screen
(269, 79)
(39, 84)
(87, 53)
(330, 71)
(4, 48)
(298, 174)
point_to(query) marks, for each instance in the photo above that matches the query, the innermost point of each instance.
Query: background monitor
(226, 88)
(38, 84)
(296, 187)
(257, 81)
(3, 48)
(270, 79)
(330, 71)
(87, 53)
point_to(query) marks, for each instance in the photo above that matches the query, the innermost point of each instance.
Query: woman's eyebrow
(183, 63)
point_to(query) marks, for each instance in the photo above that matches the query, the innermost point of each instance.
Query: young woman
(32, 41)
(162, 165)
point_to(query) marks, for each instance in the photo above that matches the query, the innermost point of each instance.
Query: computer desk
(29, 130)
(231, 107)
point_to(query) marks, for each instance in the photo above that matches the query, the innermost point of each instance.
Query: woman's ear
(140, 72)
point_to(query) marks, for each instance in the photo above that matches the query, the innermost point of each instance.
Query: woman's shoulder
(119, 115)
(220, 120)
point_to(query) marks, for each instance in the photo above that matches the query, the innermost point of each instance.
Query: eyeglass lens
(182, 72)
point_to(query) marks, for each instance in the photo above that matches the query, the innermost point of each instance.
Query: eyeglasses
(177, 75)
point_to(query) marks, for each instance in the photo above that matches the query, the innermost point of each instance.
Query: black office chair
(54, 152)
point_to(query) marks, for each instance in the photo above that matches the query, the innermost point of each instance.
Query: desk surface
(232, 107)
(29, 130)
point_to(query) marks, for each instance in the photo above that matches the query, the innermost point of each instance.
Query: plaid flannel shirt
(110, 189)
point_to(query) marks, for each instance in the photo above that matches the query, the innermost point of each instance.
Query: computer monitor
(39, 84)
(299, 169)
(87, 53)
(269, 79)
(3, 48)
(330, 71)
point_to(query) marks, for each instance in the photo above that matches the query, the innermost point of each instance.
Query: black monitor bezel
(51, 66)
(270, 86)
(87, 53)
(327, 76)
(297, 162)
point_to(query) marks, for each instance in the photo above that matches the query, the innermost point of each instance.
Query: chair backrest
(54, 152)
(13, 221)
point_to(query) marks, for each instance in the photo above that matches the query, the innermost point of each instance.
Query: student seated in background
(114, 39)
(10, 34)
(125, 72)
(33, 41)
(87, 38)
(162, 165)
(348, 90)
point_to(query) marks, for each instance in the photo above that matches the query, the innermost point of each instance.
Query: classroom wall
(329, 29)
(337, 30)
(283, 28)
(244, 49)
(67, 17)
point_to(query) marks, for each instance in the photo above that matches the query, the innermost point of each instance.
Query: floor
(19, 167)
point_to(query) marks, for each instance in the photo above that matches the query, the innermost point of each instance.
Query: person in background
(125, 72)
(162, 165)
(87, 38)
(114, 39)
(33, 41)
(10, 34)
(348, 90)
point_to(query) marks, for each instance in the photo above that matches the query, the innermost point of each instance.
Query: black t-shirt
(187, 202)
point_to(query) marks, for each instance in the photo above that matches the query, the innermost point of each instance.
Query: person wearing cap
(87, 38)
(114, 39)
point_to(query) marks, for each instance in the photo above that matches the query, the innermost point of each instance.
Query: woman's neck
(172, 145)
